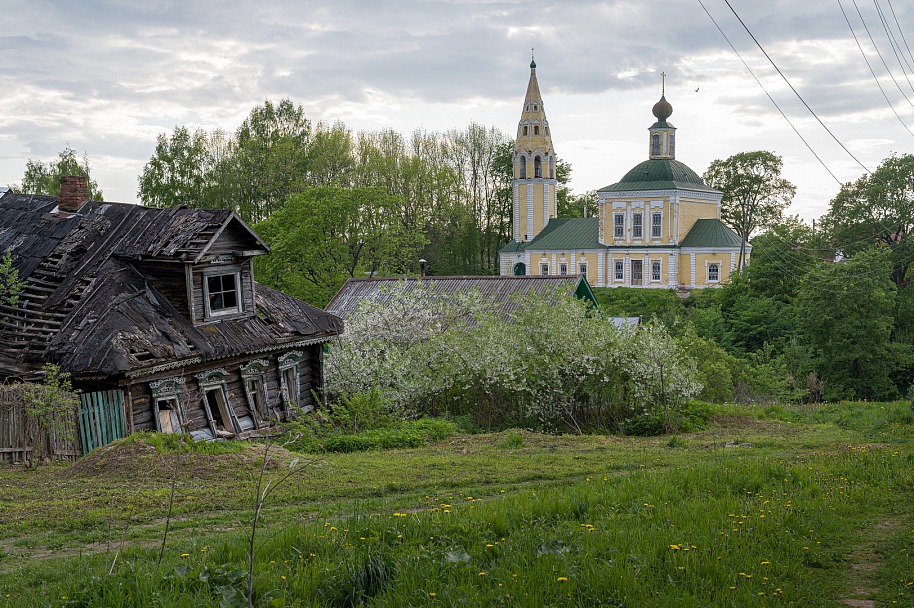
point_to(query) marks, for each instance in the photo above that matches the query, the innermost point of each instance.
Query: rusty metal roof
(501, 289)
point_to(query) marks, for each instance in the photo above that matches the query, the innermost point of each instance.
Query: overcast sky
(107, 77)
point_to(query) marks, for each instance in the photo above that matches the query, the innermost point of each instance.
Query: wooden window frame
(239, 293)
(254, 380)
(289, 365)
(168, 390)
(216, 381)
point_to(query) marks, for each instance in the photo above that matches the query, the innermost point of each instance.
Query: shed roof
(501, 289)
(710, 233)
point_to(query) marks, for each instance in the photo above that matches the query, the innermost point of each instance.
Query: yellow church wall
(690, 211)
(646, 207)
(538, 221)
(702, 261)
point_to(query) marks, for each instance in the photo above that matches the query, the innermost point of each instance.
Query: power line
(876, 78)
(900, 31)
(792, 126)
(792, 88)
(881, 58)
(896, 48)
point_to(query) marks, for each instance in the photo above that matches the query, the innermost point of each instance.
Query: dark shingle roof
(87, 306)
(659, 174)
(710, 233)
(500, 289)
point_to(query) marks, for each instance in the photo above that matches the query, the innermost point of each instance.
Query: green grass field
(768, 507)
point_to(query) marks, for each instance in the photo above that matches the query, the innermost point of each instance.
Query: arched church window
(552, 167)
(547, 130)
(655, 144)
(525, 129)
(536, 129)
(672, 144)
(535, 108)
(537, 167)
(523, 166)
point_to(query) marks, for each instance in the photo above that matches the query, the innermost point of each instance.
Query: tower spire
(534, 165)
(663, 84)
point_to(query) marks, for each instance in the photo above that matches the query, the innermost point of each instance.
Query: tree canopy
(44, 178)
(755, 194)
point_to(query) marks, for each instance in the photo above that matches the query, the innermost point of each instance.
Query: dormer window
(222, 293)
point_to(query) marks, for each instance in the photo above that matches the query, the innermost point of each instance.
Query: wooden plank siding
(101, 418)
(140, 394)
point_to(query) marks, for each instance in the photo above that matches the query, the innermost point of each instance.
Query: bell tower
(663, 134)
(534, 167)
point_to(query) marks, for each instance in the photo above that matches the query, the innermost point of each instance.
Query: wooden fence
(101, 419)
(21, 436)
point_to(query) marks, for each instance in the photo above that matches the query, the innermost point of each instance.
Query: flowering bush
(552, 362)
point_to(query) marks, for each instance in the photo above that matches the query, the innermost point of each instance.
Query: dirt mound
(137, 459)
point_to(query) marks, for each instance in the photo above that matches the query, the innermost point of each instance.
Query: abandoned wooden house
(156, 315)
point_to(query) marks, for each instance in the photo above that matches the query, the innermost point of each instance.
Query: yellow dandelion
(185, 555)
(482, 574)
(562, 579)
(433, 594)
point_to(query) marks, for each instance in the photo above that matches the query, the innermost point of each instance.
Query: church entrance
(520, 269)
(637, 271)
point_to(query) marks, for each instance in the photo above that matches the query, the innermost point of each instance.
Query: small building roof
(711, 233)
(501, 289)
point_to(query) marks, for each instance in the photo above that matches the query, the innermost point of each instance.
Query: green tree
(755, 194)
(325, 235)
(577, 205)
(44, 178)
(10, 285)
(845, 314)
(177, 173)
(878, 208)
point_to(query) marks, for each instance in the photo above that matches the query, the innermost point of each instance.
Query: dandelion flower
(562, 579)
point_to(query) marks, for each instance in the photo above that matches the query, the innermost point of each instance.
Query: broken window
(214, 390)
(288, 381)
(167, 407)
(254, 377)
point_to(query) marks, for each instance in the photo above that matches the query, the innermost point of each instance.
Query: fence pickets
(101, 419)
(98, 420)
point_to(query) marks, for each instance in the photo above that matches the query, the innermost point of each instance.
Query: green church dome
(660, 174)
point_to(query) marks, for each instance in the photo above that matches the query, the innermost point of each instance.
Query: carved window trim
(168, 390)
(215, 381)
(290, 374)
(254, 380)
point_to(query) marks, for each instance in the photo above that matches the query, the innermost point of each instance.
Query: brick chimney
(74, 191)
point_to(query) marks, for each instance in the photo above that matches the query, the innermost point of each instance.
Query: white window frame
(656, 226)
(708, 266)
(618, 226)
(656, 265)
(582, 269)
(637, 225)
(239, 295)
(563, 268)
(618, 270)
(544, 269)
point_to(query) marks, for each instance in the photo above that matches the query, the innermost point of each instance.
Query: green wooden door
(101, 419)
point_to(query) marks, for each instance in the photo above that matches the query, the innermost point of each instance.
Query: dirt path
(864, 565)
